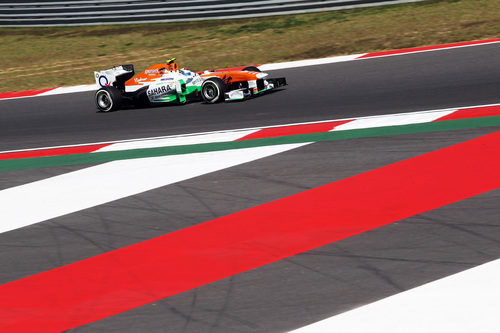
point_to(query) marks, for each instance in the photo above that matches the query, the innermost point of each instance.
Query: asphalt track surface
(301, 289)
(430, 80)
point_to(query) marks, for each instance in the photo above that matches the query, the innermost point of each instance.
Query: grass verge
(36, 58)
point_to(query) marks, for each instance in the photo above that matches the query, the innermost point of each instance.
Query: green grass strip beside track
(101, 157)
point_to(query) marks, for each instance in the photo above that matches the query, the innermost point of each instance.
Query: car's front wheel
(212, 90)
(251, 69)
(108, 99)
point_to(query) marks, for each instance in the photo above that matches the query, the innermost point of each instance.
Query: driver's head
(172, 65)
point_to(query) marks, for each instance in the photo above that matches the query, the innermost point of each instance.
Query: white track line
(178, 141)
(461, 303)
(45, 199)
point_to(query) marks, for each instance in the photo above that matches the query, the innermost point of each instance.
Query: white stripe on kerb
(461, 303)
(393, 120)
(42, 200)
(68, 90)
(179, 141)
(309, 62)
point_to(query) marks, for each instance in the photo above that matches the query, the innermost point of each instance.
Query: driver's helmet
(172, 65)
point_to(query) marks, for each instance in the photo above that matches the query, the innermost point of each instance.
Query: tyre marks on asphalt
(442, 175)
(150, 214)
(332, 279)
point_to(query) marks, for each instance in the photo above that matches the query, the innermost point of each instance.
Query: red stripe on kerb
(23, 93)
(129, 277)
(233, 69)
(293, 130)
(427, 48)
(485, 111)
(52, 152)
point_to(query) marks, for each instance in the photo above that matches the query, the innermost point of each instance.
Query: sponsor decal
(195, 80)
(103, 81)
(159, 91)
(137, 80)
(151, 71)
(226, 79)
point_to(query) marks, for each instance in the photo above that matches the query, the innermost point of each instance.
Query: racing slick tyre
(141, 98)
(251, 69)
(108, 99)
(212, 90)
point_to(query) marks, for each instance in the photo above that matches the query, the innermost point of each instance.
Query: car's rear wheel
(212, 90)
(108, 99)
(251, 69)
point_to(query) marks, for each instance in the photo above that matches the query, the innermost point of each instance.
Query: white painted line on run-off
(461, 303)
(74, 191)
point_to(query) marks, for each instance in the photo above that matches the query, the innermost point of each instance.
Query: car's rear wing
(115, 76)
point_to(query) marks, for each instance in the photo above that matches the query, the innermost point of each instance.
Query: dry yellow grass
(35, 58)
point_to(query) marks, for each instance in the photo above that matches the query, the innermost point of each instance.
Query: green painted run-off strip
(101, 157)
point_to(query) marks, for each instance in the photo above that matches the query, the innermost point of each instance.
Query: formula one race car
(166, 83)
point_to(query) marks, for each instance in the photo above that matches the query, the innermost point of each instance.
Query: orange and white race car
(166, 83)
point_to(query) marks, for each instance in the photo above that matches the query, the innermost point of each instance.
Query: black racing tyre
(141, 97)
(108, 99)
(212, 90)
(251, 69)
